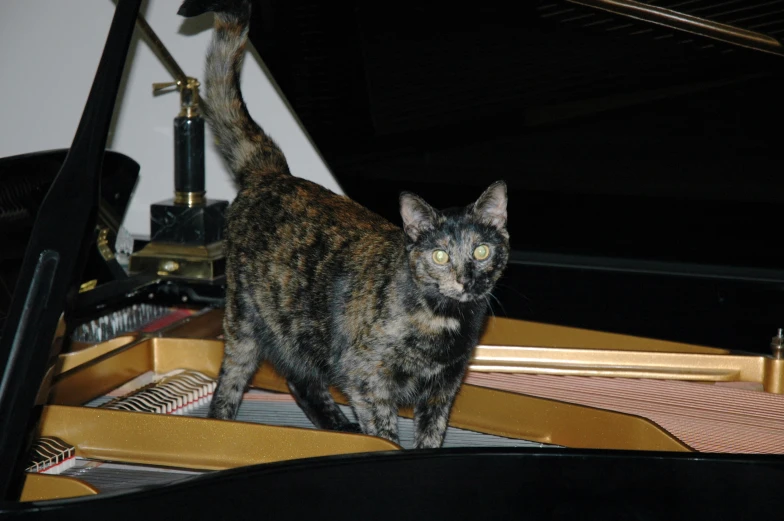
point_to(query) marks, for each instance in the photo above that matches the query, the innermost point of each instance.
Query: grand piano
(633, 367)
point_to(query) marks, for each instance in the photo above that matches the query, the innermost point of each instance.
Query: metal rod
(687, 23)
(168, 59)
(644, 266)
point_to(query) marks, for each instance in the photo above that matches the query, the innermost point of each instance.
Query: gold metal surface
(188, 87)
(189, 95)
(566, 351)
(687, 23)
(631, 364)
(773, 382)
(189, 98)
(103, 243)
(41, 487)
(485, 410)
(88, 286)
(517, 346)
(560, 423)
(157, 88)
(194, 443)
(477, 408)
(501, 331)
(189, 198)
(205, 326)
(43, 390)
(102, 374)
(192, 262)
(84, 353)
(536, 419)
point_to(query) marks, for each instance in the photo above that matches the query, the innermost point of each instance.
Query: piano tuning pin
(777, 345)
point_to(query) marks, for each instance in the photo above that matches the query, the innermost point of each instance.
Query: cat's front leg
(375, 409)
(431, 413)
(430, 421)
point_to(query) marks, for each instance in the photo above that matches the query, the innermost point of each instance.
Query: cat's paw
(428, 442)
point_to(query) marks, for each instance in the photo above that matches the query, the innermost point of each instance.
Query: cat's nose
(465, 281)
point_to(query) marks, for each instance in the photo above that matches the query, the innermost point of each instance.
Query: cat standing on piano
(332, 294)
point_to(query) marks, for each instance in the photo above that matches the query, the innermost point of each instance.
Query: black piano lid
(617, 138)
(54, 259)
(636, 156)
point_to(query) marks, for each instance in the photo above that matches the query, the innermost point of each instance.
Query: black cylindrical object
(189, 154)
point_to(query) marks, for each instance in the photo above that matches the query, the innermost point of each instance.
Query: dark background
(643, 163)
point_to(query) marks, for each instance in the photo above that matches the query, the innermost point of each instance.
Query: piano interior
(110, 402)
(122, 406)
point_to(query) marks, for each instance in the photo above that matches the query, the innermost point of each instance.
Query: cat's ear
(418, 216)
(490, 208)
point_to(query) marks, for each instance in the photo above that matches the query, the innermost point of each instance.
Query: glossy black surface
(639, 142)
(456, 484)
(196, 225)
(641, 162)
(54, 259)
(24, 182)
(732, 314)
(189, 154)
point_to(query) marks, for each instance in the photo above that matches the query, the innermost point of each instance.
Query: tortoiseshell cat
(332, 294)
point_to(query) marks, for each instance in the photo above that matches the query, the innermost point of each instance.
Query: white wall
(49, 51)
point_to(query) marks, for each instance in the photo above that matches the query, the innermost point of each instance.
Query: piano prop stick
(682, 21)
(186, 231)
(54, 261)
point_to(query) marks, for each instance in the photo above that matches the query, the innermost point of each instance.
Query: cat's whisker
(516, 292)
(499, 303)
(489, 306)
(512, 288)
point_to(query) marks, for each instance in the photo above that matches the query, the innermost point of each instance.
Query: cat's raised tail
(242, 142)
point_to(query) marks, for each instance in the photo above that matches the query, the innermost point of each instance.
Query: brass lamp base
(180, 261)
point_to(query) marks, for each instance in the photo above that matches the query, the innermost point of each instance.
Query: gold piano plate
(518, 346)
(537, 419)
(696, 367)
(177, 442)
(508, 413)
(41, 487)
(484, 410)
(194, 443)
(513, 332)
(204, 324)
(68, 361)
(207, 325)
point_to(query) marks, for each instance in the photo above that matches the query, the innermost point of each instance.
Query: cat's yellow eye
(440, 257)
(481, 252)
